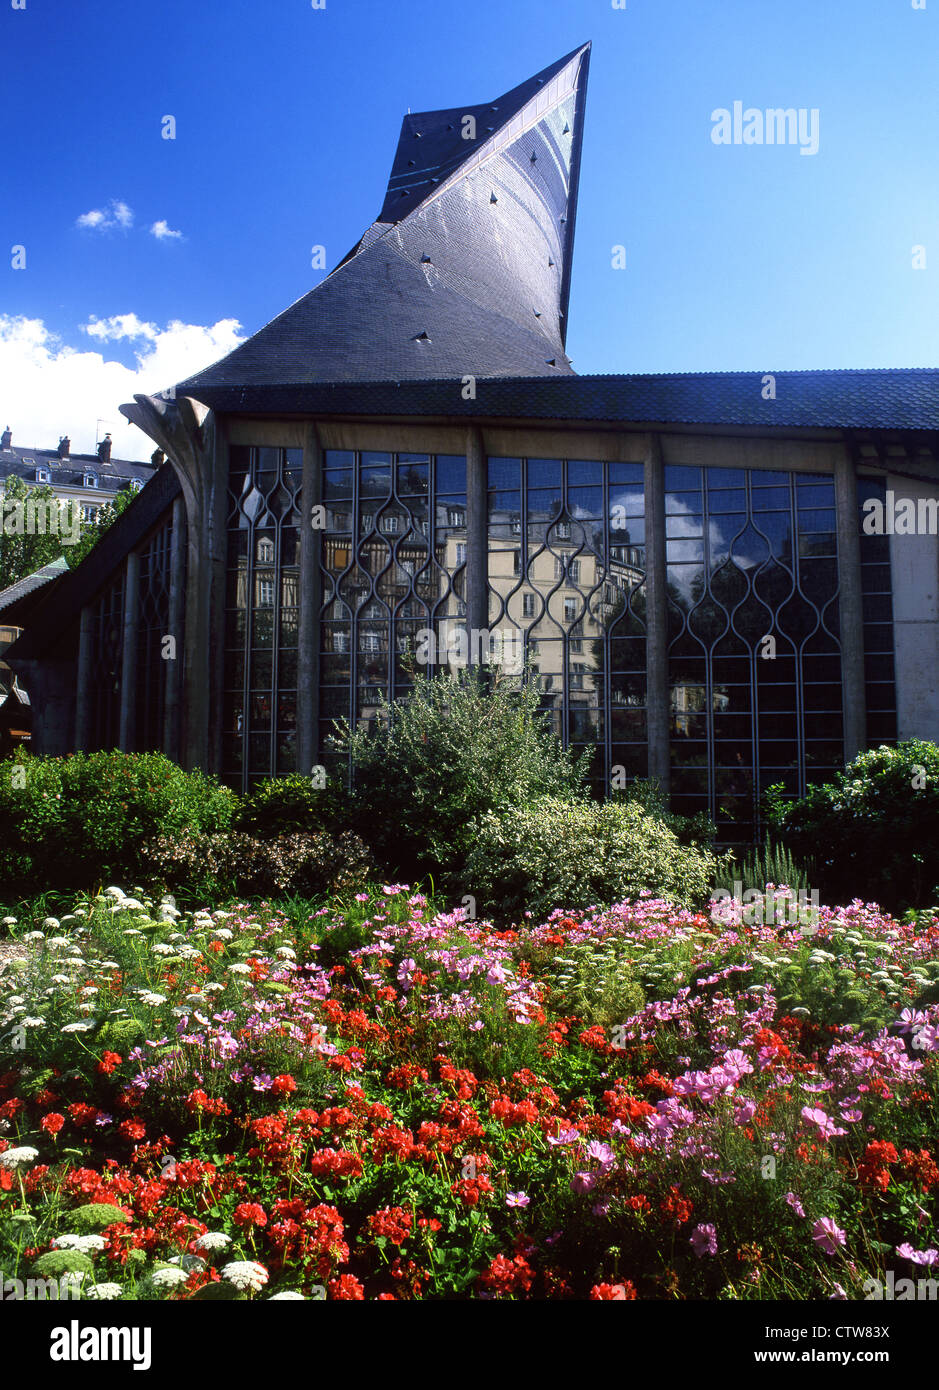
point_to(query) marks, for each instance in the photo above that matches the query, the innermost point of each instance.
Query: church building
(713, 576)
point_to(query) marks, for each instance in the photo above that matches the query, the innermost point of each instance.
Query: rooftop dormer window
(42, 475)
(90, 480)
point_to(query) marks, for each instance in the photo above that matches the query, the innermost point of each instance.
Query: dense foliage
(456, 748)
(289, 806)
(23, 554)
(66, 823)
(231, 864)
(579, 854)
(874, 830)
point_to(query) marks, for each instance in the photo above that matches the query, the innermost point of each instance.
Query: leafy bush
(233, 864)
(874, 830)
(562, 854)
(452, 750)
(698, 829)
(80, 819)
(288, 806)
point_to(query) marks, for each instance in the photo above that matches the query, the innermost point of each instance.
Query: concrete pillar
(850, 606)
(177, 601)
(311, 542)
(83, 683)
(914, 570)
(218, 558)
(128, 719)
(657, 704)
(477, 540)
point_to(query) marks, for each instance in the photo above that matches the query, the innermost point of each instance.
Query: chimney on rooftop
(104, 449)
(6, 439)
(64, 445)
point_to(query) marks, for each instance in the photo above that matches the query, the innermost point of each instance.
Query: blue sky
(737, 257)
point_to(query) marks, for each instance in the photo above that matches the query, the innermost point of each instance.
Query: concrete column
(308, 661)
(177, 602)
(477, 541)
(850, 606)
(83, 683)
(215, 645)
(129, 660)
(657, 705)
(914, 569)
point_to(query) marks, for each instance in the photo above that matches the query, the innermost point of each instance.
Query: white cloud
(51, 389)
(95, 218)
(118, 214)
(119, 326)
(163, 232)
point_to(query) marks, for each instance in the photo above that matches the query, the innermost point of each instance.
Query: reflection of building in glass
(567, 572)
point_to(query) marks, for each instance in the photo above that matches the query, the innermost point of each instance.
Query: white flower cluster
(86, 1245)
(212, 1240)
(245, 1274)
(14, 1159)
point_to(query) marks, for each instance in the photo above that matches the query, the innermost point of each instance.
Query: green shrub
(772, 863)
(289, 806)
(233, 864)
(698, 829)
(453, 749)
(874, 830)
(562, 854)
(81, 819)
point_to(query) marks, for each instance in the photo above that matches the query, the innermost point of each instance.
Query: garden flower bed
(375, 1100)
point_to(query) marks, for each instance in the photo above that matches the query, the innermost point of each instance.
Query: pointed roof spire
(380, 317)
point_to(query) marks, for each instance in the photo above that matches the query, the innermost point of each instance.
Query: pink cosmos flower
(918, 1257)
(794, 1202)
(824, 1123)
(517, 1199)
(828, 1235)
(602, 1153)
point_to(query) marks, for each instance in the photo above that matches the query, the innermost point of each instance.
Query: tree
(23, 554)
(25, 547)
(92, 531)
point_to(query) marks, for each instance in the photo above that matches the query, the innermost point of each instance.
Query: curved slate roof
(466, 271)
(877, 399)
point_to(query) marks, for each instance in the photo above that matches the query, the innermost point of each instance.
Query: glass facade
(753, 646)
(566, 577)
(393, 567)
(262, 614)
(754, 659)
